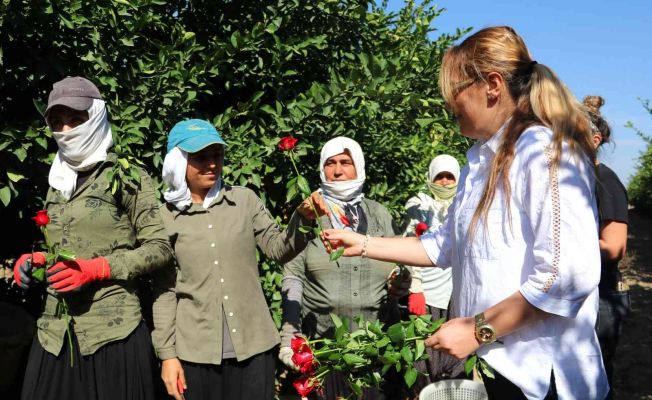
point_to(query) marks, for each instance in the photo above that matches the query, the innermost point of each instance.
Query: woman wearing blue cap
(212, 326)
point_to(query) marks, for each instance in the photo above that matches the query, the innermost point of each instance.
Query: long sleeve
(561, 212)
(164, 310)
(281, 246)
(154, 250)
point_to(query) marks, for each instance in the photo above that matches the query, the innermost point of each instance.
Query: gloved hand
(399, 281)
(285, 354)
(417, 303)
(23, 268)
(66, 276)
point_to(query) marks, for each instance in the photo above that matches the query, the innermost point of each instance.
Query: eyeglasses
(462, 86)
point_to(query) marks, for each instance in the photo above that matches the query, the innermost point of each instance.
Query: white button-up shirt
(548, 251)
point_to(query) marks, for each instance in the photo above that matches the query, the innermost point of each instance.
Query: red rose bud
(421, 228)
(287, 143)
(345, 220)
(304, 385)
(41, 218)
(300, 359)
(299, 344)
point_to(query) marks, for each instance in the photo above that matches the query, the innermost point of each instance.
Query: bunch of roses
(363, 356)
(305, 360)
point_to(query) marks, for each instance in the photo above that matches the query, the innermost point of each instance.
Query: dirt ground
(633, 366)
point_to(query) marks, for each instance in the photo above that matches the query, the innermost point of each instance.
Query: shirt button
(210, 226)
(226, 297)
(222, 280)
(216, 262)
(355, 268)
(212, 244)
(233, 330)
(355, 293)
(230, 314)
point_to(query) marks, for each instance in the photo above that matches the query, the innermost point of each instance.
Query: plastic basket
(454, 389)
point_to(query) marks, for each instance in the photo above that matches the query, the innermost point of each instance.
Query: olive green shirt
(217, 277)
(126, 229)
(353, 286)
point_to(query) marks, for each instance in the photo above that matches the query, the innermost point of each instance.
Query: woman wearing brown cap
(115, 237)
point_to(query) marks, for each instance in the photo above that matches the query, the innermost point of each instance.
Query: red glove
(417, 303)
(66, 276)
(23, 268)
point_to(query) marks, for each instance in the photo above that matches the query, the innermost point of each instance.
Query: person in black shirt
(612, 209)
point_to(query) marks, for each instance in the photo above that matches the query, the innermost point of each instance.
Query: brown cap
(74, 92)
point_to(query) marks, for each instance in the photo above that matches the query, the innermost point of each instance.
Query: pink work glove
(23, 268)
(417, 303)
(66, 276)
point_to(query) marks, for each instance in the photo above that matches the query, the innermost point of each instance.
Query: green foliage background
(258, 70)
(640, 186)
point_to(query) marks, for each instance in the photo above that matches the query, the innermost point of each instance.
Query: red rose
(345, 220)
(308, 368)
(421, 228)
(42, 218)
(300, 359)
(299, 344)
(287, 143)
(304, 385)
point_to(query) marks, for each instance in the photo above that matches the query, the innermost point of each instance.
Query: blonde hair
(598, 123)
(540, 98)
(593, 104)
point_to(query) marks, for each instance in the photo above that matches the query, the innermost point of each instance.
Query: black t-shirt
(612, 206)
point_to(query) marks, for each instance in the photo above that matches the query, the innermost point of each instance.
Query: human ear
(495, 85)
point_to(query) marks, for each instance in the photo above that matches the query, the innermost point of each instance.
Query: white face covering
(343, 197)
(80, 149)
(439, 164)
(174, 176)
(346, 191)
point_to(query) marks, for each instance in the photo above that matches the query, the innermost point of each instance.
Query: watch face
(486, 334)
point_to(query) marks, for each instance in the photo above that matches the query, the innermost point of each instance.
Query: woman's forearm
(512, 314)
(400, 250)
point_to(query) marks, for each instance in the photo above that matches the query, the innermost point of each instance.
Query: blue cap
(193, 135)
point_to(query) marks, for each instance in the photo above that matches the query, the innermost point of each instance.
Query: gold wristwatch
(484, 332)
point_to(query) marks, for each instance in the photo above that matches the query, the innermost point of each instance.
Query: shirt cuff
(546, 302)
(432, 248)
(166, 353)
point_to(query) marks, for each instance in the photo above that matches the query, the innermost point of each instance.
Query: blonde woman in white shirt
(521, 234)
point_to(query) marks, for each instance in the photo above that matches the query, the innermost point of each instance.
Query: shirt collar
(226, 193)
(494, 141)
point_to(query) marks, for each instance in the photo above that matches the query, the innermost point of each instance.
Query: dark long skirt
(249, 379)
(440, 365)
(334, 388)
(122, 370)
(500, 388)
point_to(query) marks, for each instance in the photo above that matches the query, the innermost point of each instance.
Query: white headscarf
(343, 197)
(80, 149)
(347, 191)
(174, 176)
(439, 164)
(443, 163)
